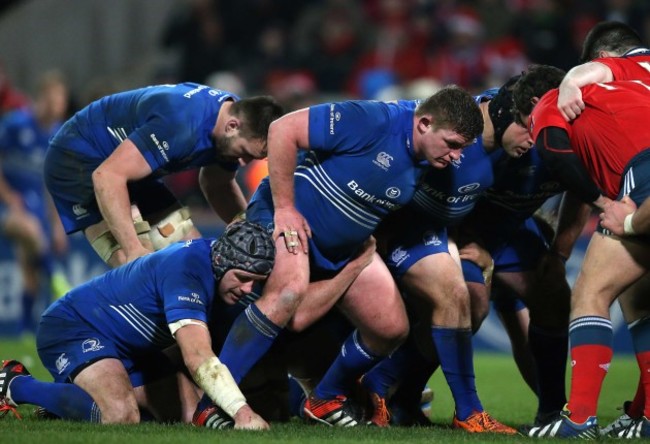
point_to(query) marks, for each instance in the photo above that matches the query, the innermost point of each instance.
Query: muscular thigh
(436, 278)
(634, 301)
(374, 300)
(609, 267)
(107, 382)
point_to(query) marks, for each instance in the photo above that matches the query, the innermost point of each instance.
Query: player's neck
(222, 117)
(488, 128)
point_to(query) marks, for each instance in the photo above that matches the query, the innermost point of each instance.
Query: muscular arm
(213, 377)
(323, 295)
(286, 136)
(569, 99)
(110, 181)
(222, 191)
(555, 149)
(572, 218)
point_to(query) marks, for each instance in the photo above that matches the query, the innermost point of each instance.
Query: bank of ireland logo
(393, 192)
(383, 160)
(91, 344)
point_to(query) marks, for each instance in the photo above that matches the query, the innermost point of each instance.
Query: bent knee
(389, 338)
(120, 412)
(290, 296)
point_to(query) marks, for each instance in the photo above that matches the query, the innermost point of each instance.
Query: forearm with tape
(627, 224)
(217, 381)
(487, 273)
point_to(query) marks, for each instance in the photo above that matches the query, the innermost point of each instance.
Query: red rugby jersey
(613, 128)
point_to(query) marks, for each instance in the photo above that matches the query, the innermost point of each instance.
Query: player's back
(172, 117)
(614, 127)
(133, 304)
(635, 65)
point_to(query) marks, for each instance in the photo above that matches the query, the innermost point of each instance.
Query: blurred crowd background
(300, 51)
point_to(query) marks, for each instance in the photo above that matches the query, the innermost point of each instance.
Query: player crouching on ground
(108, 336)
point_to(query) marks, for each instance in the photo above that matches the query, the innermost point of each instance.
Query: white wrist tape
(487, 274)
(627, 224)
(217, 381)
(175, 326)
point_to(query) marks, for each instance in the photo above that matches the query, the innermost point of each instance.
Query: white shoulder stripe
(140, 323)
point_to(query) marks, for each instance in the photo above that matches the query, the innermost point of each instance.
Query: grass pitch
(502, 392)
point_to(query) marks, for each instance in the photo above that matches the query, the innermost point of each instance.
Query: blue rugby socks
(250, 337)
(396, 370)
(455, 352)
(353, 361)
(67, 401)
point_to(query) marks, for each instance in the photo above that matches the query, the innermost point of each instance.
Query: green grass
(502, 391)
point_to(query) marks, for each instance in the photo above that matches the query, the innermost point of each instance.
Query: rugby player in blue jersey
(104, 167)
(529, 288)
(425, 262)
(103, 342)
(363, 160)
(27, 216)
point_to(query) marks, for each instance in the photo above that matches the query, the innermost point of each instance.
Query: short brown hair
(256, 114)
(535, 83)
(454, 108)
(611, 36)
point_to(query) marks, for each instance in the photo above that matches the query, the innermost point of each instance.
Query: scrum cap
(500, 110)
(243, 245)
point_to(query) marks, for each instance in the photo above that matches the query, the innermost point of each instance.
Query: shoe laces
(6, 408)
(381, 415)
(487, 421)
(491, 424)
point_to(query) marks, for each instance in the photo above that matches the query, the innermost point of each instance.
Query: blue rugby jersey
(360, 167)
(446, 196)
(170, 124)
(521, 186)
(133, 304)
(22, 152)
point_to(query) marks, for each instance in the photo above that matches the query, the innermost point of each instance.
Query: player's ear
(424, 123)
(232, 124)
(534, 100)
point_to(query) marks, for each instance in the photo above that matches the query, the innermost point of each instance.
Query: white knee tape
(105, 243)
(171, 229)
